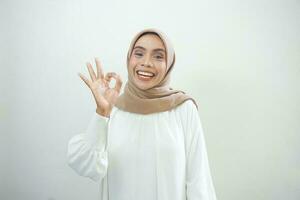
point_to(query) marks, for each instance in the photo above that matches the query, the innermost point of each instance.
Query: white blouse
(159, 156)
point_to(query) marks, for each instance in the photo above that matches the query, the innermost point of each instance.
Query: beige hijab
(159, 98)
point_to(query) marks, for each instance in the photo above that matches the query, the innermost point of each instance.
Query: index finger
(99, 68)
(117, 78)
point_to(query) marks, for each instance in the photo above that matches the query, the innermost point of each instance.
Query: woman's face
(147, 64)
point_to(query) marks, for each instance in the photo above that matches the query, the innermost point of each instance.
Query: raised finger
(91, 71)
(99, 68)
(117, 78)
(87, 81)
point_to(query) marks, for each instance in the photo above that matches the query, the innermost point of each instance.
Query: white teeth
(145, 73)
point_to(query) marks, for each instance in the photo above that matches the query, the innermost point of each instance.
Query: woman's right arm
(87, 154)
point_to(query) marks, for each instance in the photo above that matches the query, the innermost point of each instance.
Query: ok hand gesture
(105, 96)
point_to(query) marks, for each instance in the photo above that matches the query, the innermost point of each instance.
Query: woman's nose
(147, 62)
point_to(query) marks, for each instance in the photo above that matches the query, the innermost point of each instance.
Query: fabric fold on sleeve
(87, 154)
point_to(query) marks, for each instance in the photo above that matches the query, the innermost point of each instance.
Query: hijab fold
(159, 98)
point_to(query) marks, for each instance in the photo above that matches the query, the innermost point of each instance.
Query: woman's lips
(143, 78)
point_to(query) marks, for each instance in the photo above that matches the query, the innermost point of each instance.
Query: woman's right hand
(105, 96)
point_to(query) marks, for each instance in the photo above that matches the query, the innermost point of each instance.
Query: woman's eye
(138, 54)
(159, 57)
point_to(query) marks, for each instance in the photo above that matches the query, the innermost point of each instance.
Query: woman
(148, 142)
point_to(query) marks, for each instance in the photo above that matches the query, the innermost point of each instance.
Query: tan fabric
(158, 98)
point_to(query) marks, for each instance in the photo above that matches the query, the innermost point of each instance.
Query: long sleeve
(199, 184)
(87, 154)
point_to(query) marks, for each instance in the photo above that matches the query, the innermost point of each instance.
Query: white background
(239, 59)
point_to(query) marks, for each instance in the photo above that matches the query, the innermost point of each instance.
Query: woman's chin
(143, 85)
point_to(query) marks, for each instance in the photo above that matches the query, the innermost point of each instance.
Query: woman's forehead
(150, 42)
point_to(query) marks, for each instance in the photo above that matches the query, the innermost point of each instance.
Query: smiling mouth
(144, 75)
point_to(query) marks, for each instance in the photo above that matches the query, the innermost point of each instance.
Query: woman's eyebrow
(158, 49)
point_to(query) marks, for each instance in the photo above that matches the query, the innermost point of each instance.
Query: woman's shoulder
(187, 115)
(187, 112)
(187, 106)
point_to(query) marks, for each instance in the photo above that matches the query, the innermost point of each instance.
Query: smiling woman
(150, 51)
(147, 62)
(147, 143)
